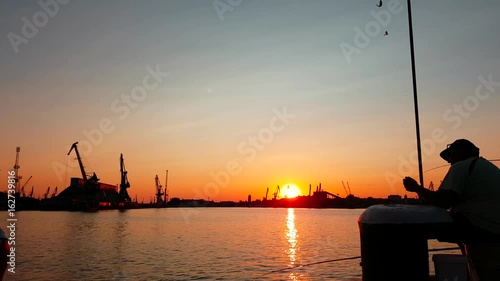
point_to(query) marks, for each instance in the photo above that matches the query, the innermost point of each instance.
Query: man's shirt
(479, 189)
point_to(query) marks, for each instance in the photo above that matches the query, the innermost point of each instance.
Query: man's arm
(441, 198)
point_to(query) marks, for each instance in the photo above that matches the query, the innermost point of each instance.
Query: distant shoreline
(307, 202)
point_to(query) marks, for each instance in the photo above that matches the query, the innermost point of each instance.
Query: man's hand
(411, 184)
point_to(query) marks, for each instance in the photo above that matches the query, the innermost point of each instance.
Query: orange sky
(275, 165)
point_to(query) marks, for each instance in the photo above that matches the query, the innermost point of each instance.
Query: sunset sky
(235, 96)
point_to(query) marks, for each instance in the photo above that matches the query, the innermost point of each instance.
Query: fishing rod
(415, 99)
(341, 259)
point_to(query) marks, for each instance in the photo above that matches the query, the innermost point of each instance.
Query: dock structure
(87, 193)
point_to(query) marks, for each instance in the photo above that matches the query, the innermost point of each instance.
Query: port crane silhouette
(276, 193)
(159, 192)
(54, 193)
(124, 183)
(89, 199)
(348, 188)
(46, 194)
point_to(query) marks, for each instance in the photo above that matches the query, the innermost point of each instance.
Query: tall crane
(46, 194)
(124, 184)
(159, 193)
(54, 193)
(16, 170)
(276, 193)
(31, 193)
(80, 163)
(267, 192)
(349, 188)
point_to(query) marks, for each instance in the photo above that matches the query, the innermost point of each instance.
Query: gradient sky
(228, 75)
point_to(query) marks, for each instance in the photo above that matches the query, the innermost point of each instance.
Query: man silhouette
(471, 190)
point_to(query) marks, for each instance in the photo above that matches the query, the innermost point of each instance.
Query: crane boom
(54, 193)
(22, 187)
(345, 189)
(82, 169)
(26, 182)
(46, 193)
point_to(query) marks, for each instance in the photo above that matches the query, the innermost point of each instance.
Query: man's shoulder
(464, 164)
(487, 165)
(485, 161)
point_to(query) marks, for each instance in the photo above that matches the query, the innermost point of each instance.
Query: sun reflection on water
(291, 236)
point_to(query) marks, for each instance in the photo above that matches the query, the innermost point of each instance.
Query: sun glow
(290, 190)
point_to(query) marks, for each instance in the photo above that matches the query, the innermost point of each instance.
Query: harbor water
(189, 244)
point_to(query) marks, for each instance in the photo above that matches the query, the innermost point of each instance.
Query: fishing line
(342, 259)
(309, 264)
(437, 167)
(493, 160)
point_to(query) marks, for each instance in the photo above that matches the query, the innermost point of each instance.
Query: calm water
(188, 244)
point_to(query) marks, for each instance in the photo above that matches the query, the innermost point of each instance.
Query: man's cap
(462, 145)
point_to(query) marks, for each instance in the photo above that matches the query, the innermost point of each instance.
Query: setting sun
(290, 190)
